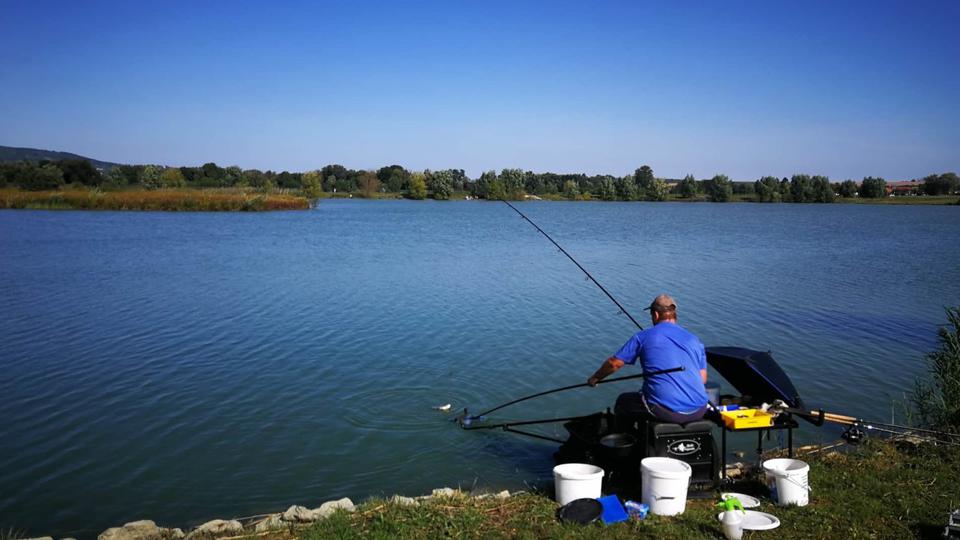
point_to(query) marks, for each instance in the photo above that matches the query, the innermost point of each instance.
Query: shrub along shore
(166, 200)
(239, 200)
(395, 181)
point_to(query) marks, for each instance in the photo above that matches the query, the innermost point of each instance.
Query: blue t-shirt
(664, 346)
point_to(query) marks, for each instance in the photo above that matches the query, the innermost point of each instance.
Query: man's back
(664, 346)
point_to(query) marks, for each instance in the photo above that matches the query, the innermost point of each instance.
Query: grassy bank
(876, 491)
(166, 200)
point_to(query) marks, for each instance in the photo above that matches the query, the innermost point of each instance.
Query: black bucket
(618, 445)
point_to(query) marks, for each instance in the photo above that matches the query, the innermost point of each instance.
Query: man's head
(663, 308)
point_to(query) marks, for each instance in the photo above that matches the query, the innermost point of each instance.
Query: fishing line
(582, 269)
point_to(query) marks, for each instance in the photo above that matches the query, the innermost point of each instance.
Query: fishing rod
(856, 423)
(511, 426)
(854, 434)
(466, 418)
(582, 269)
(942, 436)
(840, 419)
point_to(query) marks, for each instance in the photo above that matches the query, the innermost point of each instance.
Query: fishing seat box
(692, 443)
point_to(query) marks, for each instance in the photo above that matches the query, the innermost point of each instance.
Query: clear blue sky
(846, 89)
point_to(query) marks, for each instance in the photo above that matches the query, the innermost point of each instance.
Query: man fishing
(679, 397)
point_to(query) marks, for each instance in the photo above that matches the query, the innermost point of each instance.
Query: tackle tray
(746, 419)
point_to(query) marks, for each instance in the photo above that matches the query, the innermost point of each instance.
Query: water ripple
(205, 365)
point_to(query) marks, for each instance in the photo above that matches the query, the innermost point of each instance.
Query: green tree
(483, 184)
(643, 176)
(534, 183)
(210, 175)
(345, 184)
(232, 176)
(742, 188)
(172, 178)
(940, 184)
(254, 178)
(848, 189)
(369, 184)
(657, 190)
(115, 177)
(394, 178)
(688, 187)
(627, 188)
(873, 188)
(43, 178)
(607, 191)
(952, 181)
(440, 184)
(801, 188)
(496, 191)
(418, 186)
(937, 400)
(767, 189)
(150, 177)
(719, 189)
(571, 190)
(514, 181)
(822, 190)
(79, 171)
(336, 178)
(312, 185)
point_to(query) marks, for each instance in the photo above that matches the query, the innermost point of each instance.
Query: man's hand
(609, 366)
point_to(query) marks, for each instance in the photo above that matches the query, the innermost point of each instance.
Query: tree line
(511, 184)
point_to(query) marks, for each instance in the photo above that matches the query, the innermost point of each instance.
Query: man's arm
(703, 373)
(608, 366)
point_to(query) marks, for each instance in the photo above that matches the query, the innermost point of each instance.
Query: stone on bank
(140, 530)
(216, 527)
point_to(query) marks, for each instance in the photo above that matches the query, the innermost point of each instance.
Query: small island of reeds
(197, 200)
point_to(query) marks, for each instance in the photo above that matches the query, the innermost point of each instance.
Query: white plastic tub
(665, 483)
(574, 481)
(787, 480)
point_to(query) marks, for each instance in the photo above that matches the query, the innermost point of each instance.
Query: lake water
(184, 367)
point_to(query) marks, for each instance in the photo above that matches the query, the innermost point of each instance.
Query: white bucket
(665, 482)
(574, 481)
(787, 480)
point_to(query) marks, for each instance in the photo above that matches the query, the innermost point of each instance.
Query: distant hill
(10, 153)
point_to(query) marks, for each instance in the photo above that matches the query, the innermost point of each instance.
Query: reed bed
(160, 200)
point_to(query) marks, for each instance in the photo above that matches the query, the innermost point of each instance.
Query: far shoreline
(240, 200)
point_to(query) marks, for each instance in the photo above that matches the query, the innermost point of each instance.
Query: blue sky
(845, 89)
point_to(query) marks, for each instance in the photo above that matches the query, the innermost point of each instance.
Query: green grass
(877, 492)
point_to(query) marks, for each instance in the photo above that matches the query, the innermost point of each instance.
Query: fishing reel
(854, 434)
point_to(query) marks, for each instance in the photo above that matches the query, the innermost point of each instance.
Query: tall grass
(937, 399)
(10, 533)
(167, 200)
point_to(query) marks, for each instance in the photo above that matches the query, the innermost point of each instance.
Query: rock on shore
(140, 530)
(294, 516)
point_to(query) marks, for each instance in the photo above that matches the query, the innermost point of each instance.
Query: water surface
(182, 367)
